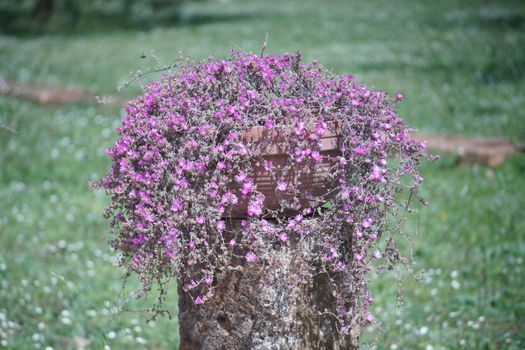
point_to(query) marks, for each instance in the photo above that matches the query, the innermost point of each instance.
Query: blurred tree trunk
(270, 305)
(42, 12)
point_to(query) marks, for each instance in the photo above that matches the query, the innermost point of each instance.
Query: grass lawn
(461, 66)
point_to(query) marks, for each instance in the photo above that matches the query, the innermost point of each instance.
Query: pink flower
(251, 257)
(367, 222)
(283, 236)
(267, 164)
(358, 257)
(240, 177)
(221, 225)
(198, 300)
(320, 128)
(182, 182)
(299, 127)
(376, 254)
(232, 242)
(255, 205)
(229, 198)
(139, 239)
(376, 173)
(247, 187)
(368, 298)
(360, 150)
(282, 185)
(200, 166)
(316, 156)
(177, 205)
(252, 94)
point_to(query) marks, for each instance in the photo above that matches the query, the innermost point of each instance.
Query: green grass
(469, 251)
(461, 67)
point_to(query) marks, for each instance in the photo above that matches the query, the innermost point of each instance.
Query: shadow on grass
(504, 22)
(199, 19)
(502, 65)
(12, 24)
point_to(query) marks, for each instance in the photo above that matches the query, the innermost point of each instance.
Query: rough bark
(268, 304)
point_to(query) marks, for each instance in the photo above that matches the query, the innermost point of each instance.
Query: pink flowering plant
(183, 164)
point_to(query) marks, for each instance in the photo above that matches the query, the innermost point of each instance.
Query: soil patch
(45, 95)
(489, 151)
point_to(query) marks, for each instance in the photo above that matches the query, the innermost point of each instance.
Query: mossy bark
(270, 304)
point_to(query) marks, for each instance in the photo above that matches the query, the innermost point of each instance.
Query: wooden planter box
(315, 181)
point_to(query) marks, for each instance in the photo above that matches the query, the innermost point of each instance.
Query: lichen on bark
(272, 303)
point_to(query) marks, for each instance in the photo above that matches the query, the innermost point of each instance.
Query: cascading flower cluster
(183, 163)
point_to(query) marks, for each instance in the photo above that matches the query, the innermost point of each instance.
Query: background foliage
(460, 66)
(56, 16)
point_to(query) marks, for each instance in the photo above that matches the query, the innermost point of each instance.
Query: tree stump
(268, 304)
